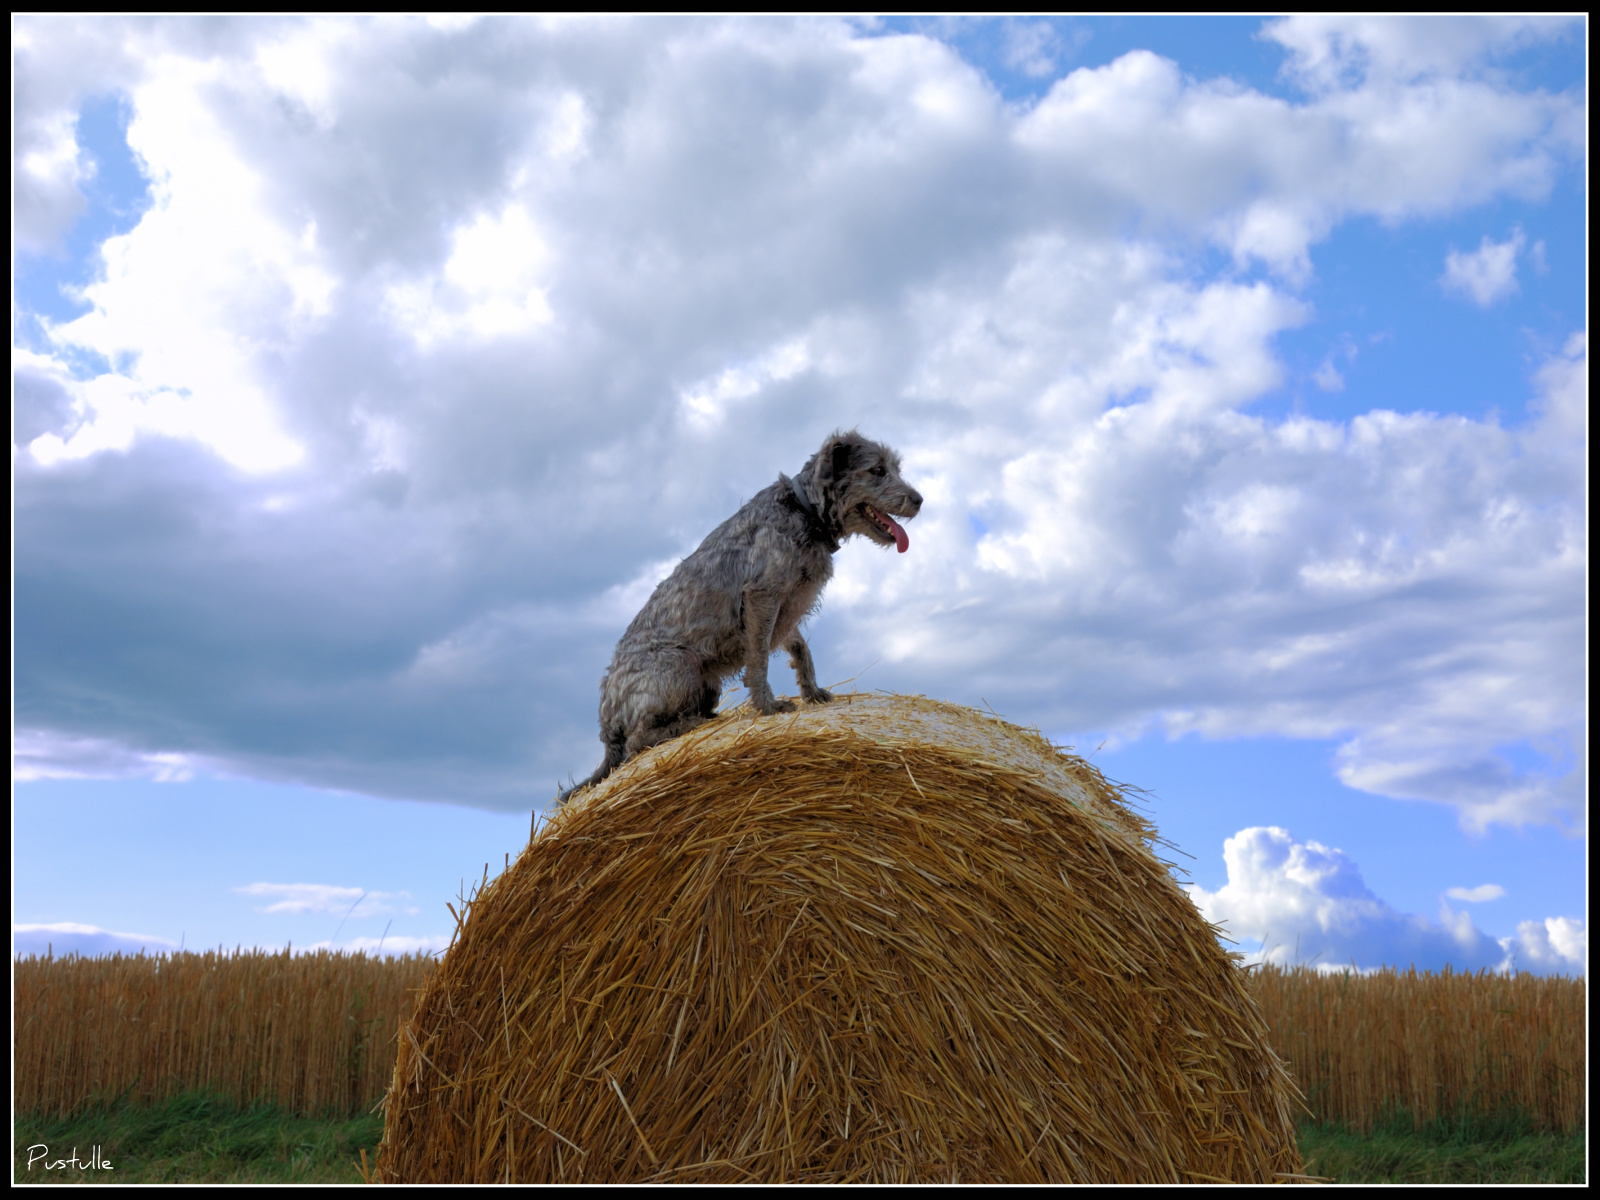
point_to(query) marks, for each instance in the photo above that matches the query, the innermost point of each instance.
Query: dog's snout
(916, 500)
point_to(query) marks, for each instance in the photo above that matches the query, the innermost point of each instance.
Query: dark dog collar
(798, 501)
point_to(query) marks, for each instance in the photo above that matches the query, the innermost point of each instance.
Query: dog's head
(859, 490)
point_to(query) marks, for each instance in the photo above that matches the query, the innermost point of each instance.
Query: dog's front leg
(805, 671)
(760, 616)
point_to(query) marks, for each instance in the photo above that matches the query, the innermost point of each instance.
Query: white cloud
(301, 64)
(1558, 944)
(49, 169)
(529, 307)
(326, 898)
(1266, 177)
(1337, 51)
(89, 941)
(1034, 47)
(1562, 402)
(1305, 903)
(707, 402)
(1477, 895)
(453, 22)
(46, 754)
(1327, 377)
(1486, 275)
(58, 63)
(66, 938)
(389, 947)
(489, 286)
(173, 290)
(621, 603)
(1320, 577)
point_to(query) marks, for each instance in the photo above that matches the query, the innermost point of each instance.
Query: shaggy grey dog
(743, 594)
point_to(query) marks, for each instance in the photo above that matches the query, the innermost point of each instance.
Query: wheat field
(315, 1033)
(1440, 1044)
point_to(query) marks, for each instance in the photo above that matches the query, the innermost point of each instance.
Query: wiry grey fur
(742, 595)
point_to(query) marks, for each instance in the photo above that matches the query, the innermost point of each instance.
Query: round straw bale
(884, 939)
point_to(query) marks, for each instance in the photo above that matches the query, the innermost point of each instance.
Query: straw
(881, 940)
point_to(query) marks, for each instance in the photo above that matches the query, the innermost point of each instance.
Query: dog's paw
(818, 696)
(774, 705)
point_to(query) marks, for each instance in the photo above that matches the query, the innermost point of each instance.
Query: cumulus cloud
(1033, 47)
(440, 341)
(487, 288)
(60, 61)
(1306, 903)
(1488, 273)
(1318, 576)
(1556, 944)
(48, 170)
(64, 938)
(1391, 130)
(1339, 51)
(203, 247)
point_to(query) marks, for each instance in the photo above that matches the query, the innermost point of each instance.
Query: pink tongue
(901, 541)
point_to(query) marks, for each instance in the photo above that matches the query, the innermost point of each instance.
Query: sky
(368, 374)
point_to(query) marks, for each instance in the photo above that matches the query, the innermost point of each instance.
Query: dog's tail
(616, 743)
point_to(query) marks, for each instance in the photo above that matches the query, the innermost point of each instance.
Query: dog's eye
(879, 470)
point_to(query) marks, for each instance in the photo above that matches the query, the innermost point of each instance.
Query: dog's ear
(835, 458)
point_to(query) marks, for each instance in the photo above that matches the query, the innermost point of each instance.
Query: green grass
(197, 1139)
(1502, 1149)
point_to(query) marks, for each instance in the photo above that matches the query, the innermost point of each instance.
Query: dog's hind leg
(710, 697)
(653, 735)
(663, 692)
